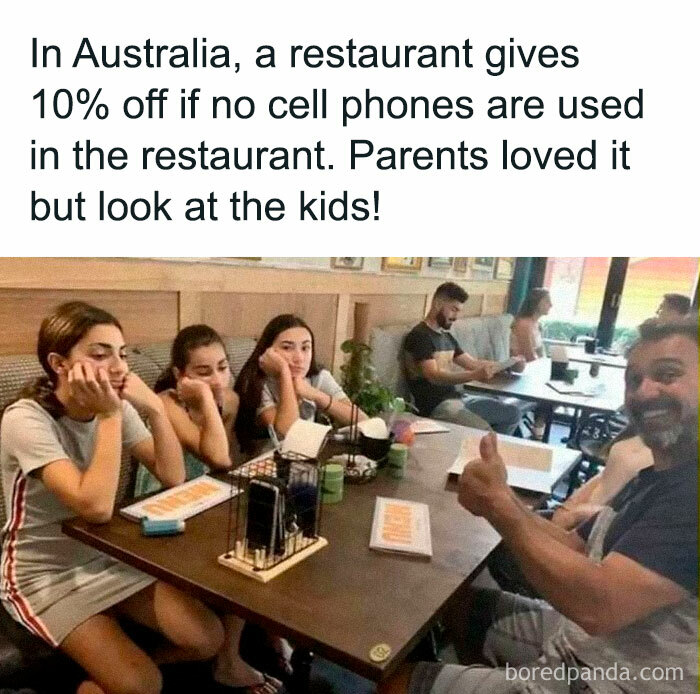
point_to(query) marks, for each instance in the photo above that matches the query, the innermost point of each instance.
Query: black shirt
(657, 523)
(421, 344)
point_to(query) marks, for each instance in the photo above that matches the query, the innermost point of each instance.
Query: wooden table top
(532, 385)
(346, 598)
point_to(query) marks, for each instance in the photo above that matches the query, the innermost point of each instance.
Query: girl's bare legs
(193, 631)
(230, 669)
(113, 662)
(116, 665)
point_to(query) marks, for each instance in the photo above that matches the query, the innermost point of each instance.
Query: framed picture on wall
(505, 268)
(482, 265)
(402, 264)
(459, 265)
(442, 263)
(347, 263)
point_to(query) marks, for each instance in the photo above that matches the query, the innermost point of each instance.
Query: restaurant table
(344, 599)
(531, 385)
(614, 360)
(576, 352)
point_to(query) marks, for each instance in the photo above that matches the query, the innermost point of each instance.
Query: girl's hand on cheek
(193, 392)
(93, 391)
(272, 362)
(136, 392)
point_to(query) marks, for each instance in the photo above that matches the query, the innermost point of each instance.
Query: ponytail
(41, 390)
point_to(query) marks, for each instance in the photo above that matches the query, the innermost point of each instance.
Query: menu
(523, 453)
(401, 526)
(183, 501)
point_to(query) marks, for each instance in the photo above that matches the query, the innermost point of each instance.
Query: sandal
(283, 652)
(270, 685)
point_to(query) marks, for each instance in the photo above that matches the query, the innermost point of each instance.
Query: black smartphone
(265, 518)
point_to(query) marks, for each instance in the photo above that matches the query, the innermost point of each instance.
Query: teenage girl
(60, 455)
(199, 401)
(281, 382)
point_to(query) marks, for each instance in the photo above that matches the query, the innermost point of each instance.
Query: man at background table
(430, 350)
(622, 588)
(673, 307)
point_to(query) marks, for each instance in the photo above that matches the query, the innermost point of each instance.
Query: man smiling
(622, 588)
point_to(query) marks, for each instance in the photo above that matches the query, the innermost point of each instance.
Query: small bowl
(375, 449)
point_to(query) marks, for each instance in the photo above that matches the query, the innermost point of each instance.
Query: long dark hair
(187, 340)
(529, 306)
(59, 333)
(251, 379)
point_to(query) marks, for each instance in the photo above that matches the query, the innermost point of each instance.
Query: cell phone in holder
(265, 524)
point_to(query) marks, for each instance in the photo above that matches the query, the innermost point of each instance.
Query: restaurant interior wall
(156, 297)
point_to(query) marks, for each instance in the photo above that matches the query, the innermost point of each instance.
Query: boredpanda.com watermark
(583, 673)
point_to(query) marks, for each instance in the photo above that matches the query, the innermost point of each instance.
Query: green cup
(332, 483)
(396, 460)
(570, 375)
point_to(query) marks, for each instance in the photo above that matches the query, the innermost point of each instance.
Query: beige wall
(154, 298)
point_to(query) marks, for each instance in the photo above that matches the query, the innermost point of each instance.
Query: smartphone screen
(263, 514)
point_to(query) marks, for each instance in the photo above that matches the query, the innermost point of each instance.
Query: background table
(532, 385)
(346, 598)
(615, 360)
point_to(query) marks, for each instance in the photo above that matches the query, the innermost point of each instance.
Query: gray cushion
(473, 337)
(157, 352)
(237, 348)
(484, 337)
(143, 366)
(386, 343)
(15, 372)
(499, 332)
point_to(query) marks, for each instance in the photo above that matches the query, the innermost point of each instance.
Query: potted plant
(360, 381)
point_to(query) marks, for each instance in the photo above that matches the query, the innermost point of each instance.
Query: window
(647, 280)
(577, 288)
(610, 297)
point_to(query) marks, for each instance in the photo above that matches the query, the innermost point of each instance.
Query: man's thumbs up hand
(488, 446)
(483, 481)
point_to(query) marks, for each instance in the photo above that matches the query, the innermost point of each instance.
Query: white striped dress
(49, 582)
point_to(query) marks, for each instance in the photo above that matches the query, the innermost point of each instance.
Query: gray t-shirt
(653, 520)
(40, 565)
(322, 381)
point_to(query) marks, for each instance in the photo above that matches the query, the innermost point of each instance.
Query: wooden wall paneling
(494, 304)
(246, 315)
(163, 275)
(341, 331)
(189, 308)
(388, 309)
(154, 298)
(474, 305)
(145, 316)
